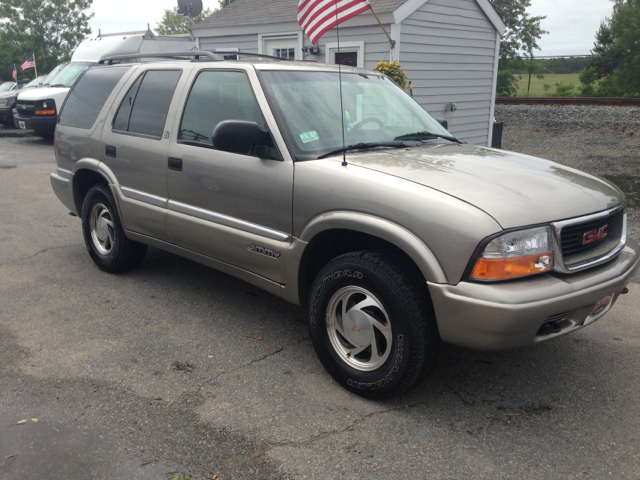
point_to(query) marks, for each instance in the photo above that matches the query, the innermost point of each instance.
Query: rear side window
(145, 107)
(85, 101)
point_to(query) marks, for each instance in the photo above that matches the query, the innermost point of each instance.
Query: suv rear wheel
(103, 234)
(371, 329)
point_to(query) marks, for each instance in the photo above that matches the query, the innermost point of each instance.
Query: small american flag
(15, 72)
(30, 63)
(317, 17)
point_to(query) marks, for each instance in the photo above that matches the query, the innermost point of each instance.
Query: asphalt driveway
(177, 369)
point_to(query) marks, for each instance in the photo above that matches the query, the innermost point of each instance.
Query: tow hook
(624, 291)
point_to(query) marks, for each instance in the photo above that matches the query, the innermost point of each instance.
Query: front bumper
(512, 314)
(6, 115)
(45, 125)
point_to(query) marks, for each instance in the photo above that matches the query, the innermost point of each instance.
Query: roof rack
(212, 57)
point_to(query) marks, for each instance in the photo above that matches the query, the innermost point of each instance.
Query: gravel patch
(603, 141)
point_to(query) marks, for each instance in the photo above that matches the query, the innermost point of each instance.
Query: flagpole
(391, 42)
(36, 68)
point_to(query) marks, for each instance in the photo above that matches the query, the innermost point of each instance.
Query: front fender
(384, 229)
(406, 241)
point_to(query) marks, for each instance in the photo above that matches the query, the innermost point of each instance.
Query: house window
(285, 46)
(346, 58)
(349, 53)
(288, 53)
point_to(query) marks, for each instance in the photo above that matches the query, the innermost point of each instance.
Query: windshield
(53, 73)
(34, 83)
(67, 76)
(5, 87)
(375, 110)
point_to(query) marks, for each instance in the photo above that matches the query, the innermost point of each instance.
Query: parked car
(38, 110)
(8, 99)
(7, 86)
(401, 240)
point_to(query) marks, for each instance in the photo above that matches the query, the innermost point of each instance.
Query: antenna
(344, 154)
(190, 9)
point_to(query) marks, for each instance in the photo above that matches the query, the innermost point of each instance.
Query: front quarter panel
(441, 232)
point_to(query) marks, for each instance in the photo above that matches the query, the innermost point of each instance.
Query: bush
(507, 84)
(564, 90)
(393, 71)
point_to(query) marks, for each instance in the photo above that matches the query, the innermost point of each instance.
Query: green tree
(604, 59)
(173, 24)
(533, 67)
(224, 2)
(617, 59)
(588, 78)
(50, 29)
(520, 40)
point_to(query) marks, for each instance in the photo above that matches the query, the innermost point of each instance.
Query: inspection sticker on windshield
(309, 136)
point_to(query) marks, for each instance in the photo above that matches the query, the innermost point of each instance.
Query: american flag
(30, 63)
(316, 17)
(15, 73)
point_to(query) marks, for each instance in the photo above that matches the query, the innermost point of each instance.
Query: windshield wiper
(414, 136)
(56, 85)
(364, 146)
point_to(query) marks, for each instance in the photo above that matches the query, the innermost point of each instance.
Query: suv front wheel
(372, 330)
(104, 236)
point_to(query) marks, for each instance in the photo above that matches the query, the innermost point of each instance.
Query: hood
(42, 93)
(11, 94)
(516, 190)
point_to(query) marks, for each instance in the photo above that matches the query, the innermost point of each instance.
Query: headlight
(516, 254)
(4, 102)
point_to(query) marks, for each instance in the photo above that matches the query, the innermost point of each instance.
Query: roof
(257, 12)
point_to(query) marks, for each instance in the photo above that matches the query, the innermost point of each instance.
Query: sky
(572, 23)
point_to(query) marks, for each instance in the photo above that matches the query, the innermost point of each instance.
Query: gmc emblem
(595, 235)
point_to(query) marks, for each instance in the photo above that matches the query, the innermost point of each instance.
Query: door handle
(175, 164)
(110, 151)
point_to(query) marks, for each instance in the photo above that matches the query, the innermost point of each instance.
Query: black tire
(104, 236)
(406, 353)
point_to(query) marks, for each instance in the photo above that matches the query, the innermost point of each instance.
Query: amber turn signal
(505, 268)
(45, 112)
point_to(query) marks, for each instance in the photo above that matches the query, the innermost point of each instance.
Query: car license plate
(23, 126)
(602, 307)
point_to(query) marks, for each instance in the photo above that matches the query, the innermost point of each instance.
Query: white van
(38, 109)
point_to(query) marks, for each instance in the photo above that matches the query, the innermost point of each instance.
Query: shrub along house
(449, 49)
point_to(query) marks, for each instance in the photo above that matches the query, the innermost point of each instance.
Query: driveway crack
(349, 428)
(264, 357)
(18, 260)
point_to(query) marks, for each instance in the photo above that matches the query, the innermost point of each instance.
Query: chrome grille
(572, 240)
(571, 253)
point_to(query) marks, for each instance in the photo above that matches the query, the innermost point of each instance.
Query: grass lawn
(537, 86)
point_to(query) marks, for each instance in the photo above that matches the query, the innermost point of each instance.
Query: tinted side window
(144, 110)
(87, 98)
(124, 112)
(215, 97)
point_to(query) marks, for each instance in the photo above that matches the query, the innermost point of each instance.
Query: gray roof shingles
(257, 12)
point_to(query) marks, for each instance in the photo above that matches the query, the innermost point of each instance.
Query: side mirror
(443, 122)
(240, 136)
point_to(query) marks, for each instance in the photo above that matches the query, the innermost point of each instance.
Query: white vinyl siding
(448, 49)
(243, 43)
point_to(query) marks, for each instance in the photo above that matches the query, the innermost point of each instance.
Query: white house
(449, 49)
